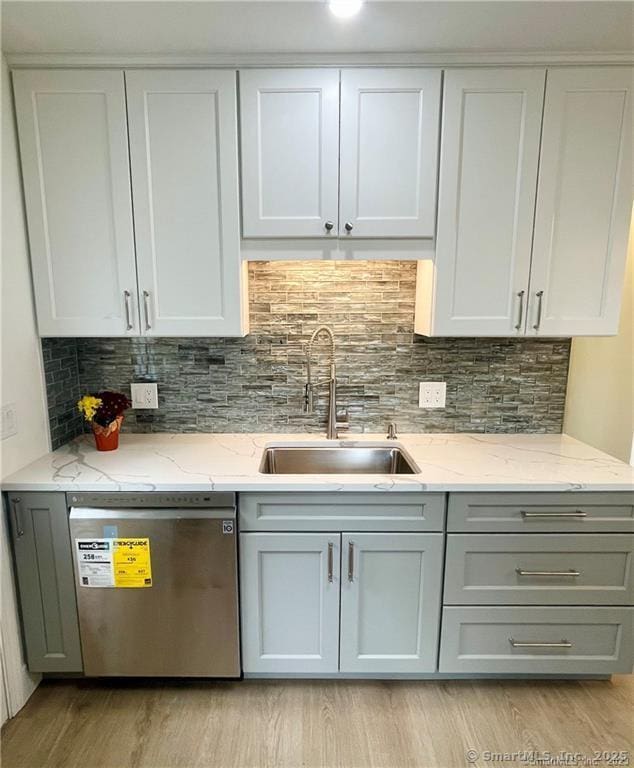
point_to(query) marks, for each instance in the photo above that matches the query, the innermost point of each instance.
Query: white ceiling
(147, 26)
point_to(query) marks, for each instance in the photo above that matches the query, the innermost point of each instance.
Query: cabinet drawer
(341, 511)
(537, 512)
(593, 641)
(538, 569)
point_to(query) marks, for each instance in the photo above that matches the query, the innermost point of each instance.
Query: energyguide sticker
(114, 562)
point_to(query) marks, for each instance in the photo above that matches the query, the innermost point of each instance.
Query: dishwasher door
(185, 621)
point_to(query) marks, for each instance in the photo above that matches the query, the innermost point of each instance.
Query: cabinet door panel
(74, 152)
(290, 152)
(390, 602)
(44, 568)
(584, 202)
(183, 149)
(488, 172)
(389, 151)
(289, 603)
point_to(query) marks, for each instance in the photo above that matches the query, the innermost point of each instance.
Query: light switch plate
(9, 421)
(144, 395)
(432, 394)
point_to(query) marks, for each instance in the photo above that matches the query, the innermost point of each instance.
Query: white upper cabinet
(584, 203)
(389, 152)
(290, 152)
(74, 152)
(299, 179)
(184, 161)
(488, 174)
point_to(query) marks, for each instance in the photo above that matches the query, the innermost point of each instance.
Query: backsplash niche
(256, 383)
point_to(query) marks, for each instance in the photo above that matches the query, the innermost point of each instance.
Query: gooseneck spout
(323, 330)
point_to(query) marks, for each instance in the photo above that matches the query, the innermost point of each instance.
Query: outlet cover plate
(9, 417)
(432, 394)
(144, 395)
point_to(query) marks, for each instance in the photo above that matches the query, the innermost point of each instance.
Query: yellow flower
(88, 405)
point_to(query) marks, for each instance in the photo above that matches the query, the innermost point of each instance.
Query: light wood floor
(314, 724)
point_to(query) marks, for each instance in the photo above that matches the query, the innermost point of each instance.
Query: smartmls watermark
(545, 758)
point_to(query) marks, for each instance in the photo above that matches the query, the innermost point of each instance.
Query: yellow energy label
(131, 563)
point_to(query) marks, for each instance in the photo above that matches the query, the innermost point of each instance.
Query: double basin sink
(342, 459)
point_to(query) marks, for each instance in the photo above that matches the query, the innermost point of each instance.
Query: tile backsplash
(255, 384)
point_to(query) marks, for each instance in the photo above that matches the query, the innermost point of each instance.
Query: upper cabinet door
(290, 152)
(488, 174)
(389, 152)
(184, 160)
(74, 151)
(584, 202)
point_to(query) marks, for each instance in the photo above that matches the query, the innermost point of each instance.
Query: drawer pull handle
(569, 572)
(330, 561)
(531, 644)
(575, 513)
(351, 561)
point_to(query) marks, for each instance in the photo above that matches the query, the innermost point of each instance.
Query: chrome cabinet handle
(576, 513)
(146, 307)
(330, 561)
(539, 644)
(128, 314)
(350, 561)
(15, 503)
(520, 296)
(569, 572)
(329, 225)
(348, 225)
(538, 321)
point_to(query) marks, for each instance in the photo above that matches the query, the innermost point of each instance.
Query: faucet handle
(391, 431)
(308, 398)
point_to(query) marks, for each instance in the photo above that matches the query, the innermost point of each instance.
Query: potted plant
(104, 413)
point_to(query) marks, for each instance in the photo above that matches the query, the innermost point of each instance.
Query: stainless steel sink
(337, 460)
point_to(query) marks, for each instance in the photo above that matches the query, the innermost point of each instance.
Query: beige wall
(22, 379)
(22, 383)
(600, 400)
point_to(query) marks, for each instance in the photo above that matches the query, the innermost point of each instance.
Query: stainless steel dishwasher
(157, 583)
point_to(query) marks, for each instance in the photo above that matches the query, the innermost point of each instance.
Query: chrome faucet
(333, 425)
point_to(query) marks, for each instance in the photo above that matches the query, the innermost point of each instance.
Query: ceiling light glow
(343, 9)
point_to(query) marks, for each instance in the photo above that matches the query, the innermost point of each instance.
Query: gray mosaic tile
(256, 383)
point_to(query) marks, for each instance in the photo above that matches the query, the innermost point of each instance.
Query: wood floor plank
(313, 723)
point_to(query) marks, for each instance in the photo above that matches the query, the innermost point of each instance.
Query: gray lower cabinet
(44, 569)
(289, 602)
(538, 583)
(327, 602)
(357, 511)
(390, 602)
(544, 640)
(539, 568)
(569, 512)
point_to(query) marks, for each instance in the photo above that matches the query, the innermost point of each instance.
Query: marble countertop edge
(230, 462)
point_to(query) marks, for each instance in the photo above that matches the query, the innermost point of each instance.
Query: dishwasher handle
(210, 513)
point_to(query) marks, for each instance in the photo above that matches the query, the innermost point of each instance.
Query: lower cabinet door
(390, 602)
(46, 585)
(289, 586)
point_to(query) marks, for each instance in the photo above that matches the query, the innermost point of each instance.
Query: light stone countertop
(230, 462)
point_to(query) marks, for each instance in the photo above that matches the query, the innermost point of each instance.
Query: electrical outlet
(432, 394)
(9, 421)
(144, 395)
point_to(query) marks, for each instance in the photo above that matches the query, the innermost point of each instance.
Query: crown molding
(233, 60)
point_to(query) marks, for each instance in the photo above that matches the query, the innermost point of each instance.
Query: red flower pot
(107, 438)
